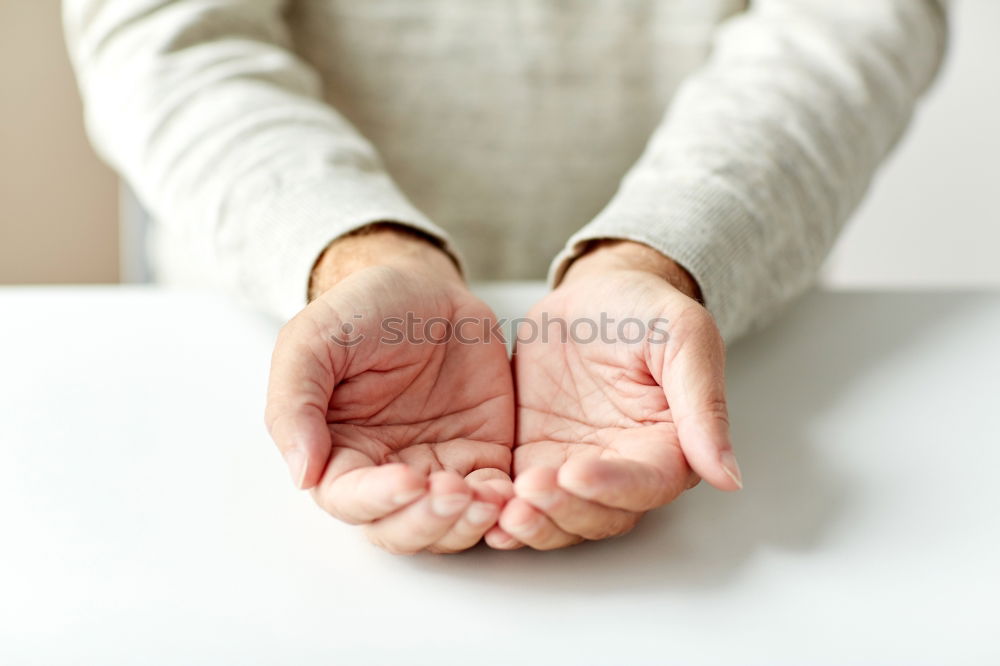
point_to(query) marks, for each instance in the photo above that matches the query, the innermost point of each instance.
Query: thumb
(298, 395)
(693, 379)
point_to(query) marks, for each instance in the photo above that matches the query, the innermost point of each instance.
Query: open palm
(394, 390)
(620, 408)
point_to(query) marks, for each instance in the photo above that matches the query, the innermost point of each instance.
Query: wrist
(614, 254)
(380, 244)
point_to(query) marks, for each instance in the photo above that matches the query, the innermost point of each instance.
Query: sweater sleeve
(221, 130)
(768, 149)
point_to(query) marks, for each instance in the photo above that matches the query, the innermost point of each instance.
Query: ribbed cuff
(291, 233)
(699, 224)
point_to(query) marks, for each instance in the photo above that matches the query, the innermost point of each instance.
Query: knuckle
(714, 409)
(697, 326)
(695, 318)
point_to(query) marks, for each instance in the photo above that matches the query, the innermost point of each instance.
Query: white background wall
(933, 216)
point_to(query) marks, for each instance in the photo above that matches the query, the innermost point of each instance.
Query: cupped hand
(620, 400)
(391, 398)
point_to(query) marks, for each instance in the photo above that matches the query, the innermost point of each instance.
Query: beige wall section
(58, 203)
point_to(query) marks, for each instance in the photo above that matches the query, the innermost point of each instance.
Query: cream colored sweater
(736, 139)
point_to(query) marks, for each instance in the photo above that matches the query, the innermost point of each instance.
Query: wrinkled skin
(408, 431)
(608, 430)
(412, 440)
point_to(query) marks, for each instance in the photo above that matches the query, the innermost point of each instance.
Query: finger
(498, 539)
(356, 491)
(491, 489)
(497, 481)
(500, 482)
(575, 515)
(298, 394)
(531, 527)
(425, 521)
(479, 516)
(620, 483)
(693, 378)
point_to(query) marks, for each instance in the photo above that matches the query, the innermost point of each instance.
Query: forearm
(222, 131)
(767, 150)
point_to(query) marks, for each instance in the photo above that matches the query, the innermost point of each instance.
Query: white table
(145, 517)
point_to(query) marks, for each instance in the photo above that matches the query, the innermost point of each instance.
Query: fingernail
(544, 499)
(296, 461)
(448, 505)
(407, 497)
(507, 541)
(728, 461)
(479, 513)
(530, 527)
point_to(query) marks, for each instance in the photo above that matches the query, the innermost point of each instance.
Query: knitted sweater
(735, 137)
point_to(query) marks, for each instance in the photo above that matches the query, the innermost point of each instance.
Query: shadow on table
(781, 381)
